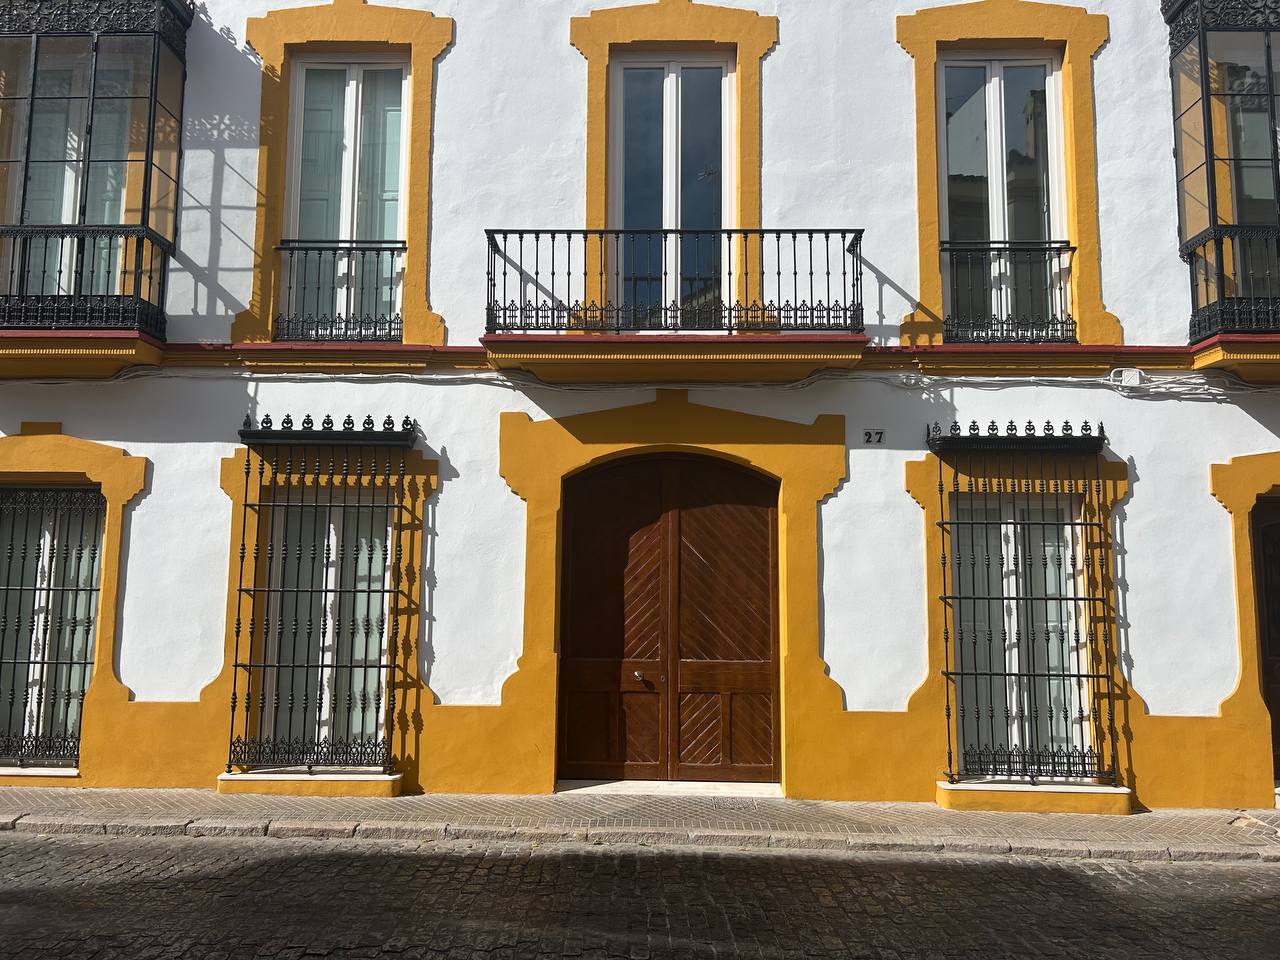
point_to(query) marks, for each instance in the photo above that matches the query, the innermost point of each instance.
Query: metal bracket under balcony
(1006, 292)
(340, 290)
(674, 281)
(83, 278)
(1235, 281)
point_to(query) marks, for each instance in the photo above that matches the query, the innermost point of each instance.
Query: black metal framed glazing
(76, 268)
(1026, 603)
(50, 574)
(1234, 267)
(322, 589)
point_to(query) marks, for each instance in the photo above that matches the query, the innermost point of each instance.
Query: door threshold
(670, 788)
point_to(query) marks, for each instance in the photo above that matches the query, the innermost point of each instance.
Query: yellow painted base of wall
(312, 786)
(1040, 799)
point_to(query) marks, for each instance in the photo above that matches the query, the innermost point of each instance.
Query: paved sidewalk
(665, 821)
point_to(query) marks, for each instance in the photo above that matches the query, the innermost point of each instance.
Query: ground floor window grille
(50, 565)
(322, 595)
(1025, 524)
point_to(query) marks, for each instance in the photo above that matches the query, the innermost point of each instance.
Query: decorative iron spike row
(1011, 430)
(327, 423)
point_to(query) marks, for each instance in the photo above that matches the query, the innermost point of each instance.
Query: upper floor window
(671, 176)
(90, 139)
(344, 258)
(1228, 166)
(1007, 267)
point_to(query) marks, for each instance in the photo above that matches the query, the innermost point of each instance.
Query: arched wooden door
(668, 639)
(1266, 556)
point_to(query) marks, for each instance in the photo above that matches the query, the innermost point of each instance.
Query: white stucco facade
(839, 138)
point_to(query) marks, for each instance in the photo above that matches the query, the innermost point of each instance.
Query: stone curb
(704, 838)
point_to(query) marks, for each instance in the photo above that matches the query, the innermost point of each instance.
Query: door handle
(638, 675)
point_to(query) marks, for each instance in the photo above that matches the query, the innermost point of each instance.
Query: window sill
(345, 783)
(65, 772)
(1021, 796)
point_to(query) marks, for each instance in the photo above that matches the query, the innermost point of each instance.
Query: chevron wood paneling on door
(669, 641)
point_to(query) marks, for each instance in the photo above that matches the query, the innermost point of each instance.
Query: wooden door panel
(613, 625)
(726, 664)
(668, 664)
(1266, 549)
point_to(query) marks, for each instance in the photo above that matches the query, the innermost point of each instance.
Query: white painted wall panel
(839, 150)
(1178, 633)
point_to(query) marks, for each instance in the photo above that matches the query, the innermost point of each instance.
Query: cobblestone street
(152, 897)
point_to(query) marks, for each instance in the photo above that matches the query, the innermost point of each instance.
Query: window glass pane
(166, 142)
(10, 191)
(15, 66)
(57, 129)
(1193, 203)
(1026, 137)
(114, 192)
(169, 82)
(701, 190)
(641, 257)
(53, 192)
(378, 177)
(968, 207)
(323, 134)
(1186, 78)
(1189, 143)
(164, 204)
(62, 66)
(1242, 127)
(1051, 704)
(1246, 192)
(701, 148)
(13, 128)
(119, 129)
(360, 624)
(983, 704)
(642, 148)
(1237, 63)
(123, 67)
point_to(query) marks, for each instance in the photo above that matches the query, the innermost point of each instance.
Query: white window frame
(355, 67)
(673, 64)
(327, 526)
(1013, 522)
(997, 180)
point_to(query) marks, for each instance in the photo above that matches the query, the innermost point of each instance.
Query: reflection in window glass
(1026, 140)
(968, 197)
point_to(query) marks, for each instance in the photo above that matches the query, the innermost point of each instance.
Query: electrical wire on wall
(1129, 382)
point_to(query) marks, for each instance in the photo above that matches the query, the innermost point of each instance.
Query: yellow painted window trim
(239, 475)
(41, 453)
(671, 24)
(355, 27)
(925, 478)
(996, 24)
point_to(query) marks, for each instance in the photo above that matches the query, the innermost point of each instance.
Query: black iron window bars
(323, 593)
(90, 150)
(1224, 58)
(50, 565)
(624, 281)
(341, 290)
(1008, 292)
(1026, 603)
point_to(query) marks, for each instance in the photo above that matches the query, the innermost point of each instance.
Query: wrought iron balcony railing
(627, 281)
(83, 277)
(1235, 281)
(1002, 292)
(340, 290)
